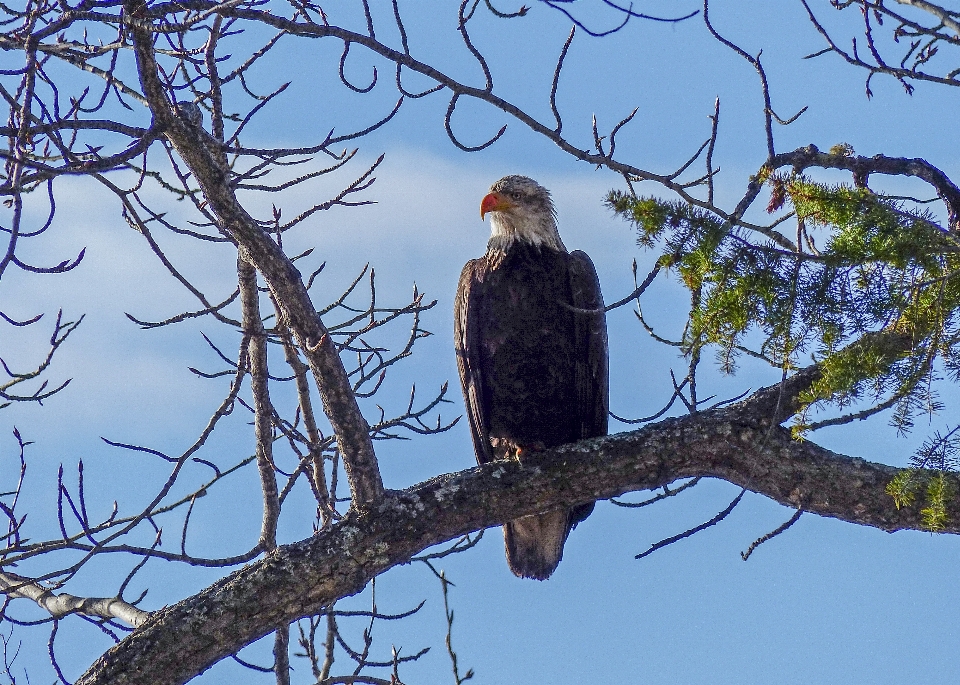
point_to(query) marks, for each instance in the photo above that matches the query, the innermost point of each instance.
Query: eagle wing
(467, 343)
(593, 378)
(592, 372)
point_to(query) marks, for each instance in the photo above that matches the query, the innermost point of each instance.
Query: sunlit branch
(63, 604)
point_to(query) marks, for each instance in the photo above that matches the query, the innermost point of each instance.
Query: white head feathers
(521, 209)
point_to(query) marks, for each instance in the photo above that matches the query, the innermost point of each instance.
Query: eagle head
(520, 209)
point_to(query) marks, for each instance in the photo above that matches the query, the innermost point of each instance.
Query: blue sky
(826, 602)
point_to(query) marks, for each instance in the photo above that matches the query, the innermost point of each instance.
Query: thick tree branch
(810, 156)
(300, 579)
(203, 156)
(742, 443)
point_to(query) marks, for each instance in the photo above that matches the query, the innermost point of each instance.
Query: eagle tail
(535, 543)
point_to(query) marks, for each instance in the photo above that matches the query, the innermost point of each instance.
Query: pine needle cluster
(877, 304)
(939, 454)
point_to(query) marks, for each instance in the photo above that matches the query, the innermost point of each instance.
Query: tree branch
(60, 605)
(810, 156)
(203, 156)
(300, 579)
(939, 12)
(263, 407)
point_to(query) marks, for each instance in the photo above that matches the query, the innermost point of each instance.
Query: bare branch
(263, 422)
(772, 534)
(63, 604)
(696, 529)
(284, 280)
(340, 560)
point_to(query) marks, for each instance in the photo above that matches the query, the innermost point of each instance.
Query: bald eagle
(531, 344)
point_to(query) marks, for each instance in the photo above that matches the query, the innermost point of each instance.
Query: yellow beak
(494, 202)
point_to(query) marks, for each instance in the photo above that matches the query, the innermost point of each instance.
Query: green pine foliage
(877, 303)
(938, 455)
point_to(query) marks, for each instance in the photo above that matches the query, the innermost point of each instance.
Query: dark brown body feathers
(533, 366)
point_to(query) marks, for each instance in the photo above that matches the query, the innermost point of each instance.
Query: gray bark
(735, 443)
(202, 154)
